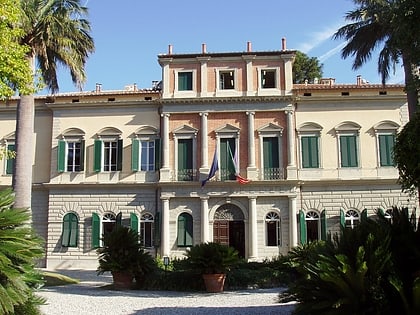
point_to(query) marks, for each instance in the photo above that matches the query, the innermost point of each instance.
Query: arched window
(352, 218)
(104, 225)
(185, 230)
(146, 230)
(312, 225)
(70, 231)
(273, 229)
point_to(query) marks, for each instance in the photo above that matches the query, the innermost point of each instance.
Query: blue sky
(129, 35)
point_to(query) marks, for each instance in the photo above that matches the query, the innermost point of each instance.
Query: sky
(130, 34)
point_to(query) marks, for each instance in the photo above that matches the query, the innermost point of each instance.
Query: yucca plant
(19, 249)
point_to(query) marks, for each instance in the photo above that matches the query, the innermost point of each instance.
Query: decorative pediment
(185, 130)
(310, 127)
(73, 132)
(146, 131)
(227, 129)
(347, 126)
(270, 129)
(386, 125)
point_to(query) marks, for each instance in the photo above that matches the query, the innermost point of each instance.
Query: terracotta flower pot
(122, 279)
(214, 282)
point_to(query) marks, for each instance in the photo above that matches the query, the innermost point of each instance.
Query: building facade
(226, 149)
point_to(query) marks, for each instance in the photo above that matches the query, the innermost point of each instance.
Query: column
(204, 141)
(205, 219)
(165, 250)
(165, 171)
(253, 231)
(164, 62)
(251, 169)
(288, 73)
(291, 152)
(293, 228)
(203, 75)
(249, 75)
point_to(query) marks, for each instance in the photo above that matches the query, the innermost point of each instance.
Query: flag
(239, 178)
(213, 169)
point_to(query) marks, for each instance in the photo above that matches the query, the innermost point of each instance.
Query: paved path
(90, 297)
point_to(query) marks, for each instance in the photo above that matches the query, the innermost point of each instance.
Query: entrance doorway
(229, 227)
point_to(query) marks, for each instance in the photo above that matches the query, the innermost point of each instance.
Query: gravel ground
(90, 297)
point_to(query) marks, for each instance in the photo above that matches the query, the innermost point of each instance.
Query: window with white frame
(352, 219)
(103, 225)
(226, 79)
(145, 149)
(9, 156)
(147, 230)
(108, 150)
(268, 78)
(185, 81)
(385, 134)
(348, 143)
(273, 229)
(309, 136)
(185, 144)
(271, 150)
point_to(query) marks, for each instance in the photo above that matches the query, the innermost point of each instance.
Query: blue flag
(213, 169)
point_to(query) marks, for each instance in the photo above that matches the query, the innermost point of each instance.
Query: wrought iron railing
(273, 173)
(186, 175)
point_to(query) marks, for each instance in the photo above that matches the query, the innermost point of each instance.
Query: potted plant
(123, 256)
(213, 260)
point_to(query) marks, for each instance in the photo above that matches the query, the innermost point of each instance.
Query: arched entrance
(229, 227)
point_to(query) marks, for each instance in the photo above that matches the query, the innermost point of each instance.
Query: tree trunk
(24, 146)
(411, 88)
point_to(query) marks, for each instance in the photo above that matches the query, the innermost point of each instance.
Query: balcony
(186, 175)
(273, 173)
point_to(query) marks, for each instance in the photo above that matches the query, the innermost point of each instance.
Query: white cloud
(331, 52)
(318, 38)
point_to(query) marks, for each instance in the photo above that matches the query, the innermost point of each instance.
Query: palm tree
(58, 35)
(392, 24)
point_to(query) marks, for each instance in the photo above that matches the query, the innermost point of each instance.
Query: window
(227, 164)
(273, 229)
(226, 80)
(386, 147)
(10, 161)
(185, 81)
(108, 155)
(185, 160)
(145, 150)
(268, 79)
(71, 155)
(312, 226)
(70, 230)
(271, 167)
(103, 226)
(348, 151)
(185, 230)
(349, 219)
(310, 152)
(146, 230)
(147, 153)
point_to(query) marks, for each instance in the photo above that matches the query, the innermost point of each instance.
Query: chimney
(359, 80)
(135, 86)
(248, 46)
(203, 48)
(98, 87)
(283, 43)
(170, 49)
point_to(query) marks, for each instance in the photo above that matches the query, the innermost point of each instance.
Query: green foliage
(212, 257)
(122, 252)
(15, 73)
(306, 68)
(407, 155)
(19, 248)
(372, 269)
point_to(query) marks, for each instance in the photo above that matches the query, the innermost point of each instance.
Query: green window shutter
(10, 163)
(158, 157)
(181, 230)
(364, 215)
(271, 152)
(348, 148)
(227, 151)
(310, 154)
(74, 230)
(386, 148)
(97, 163)
(95, 230)
(189, 231)
(185, 154)
(323, 225)
(61, 158)
(65, 234)
(82, 155)
(156, 239)
(342, 219)
(119, 154)
(134, 222)
(135, 146)
(302, 225)
(118, 219)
